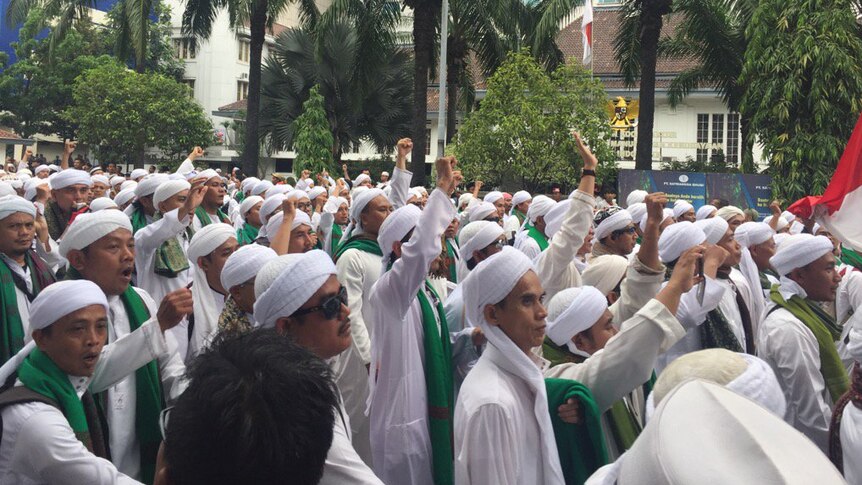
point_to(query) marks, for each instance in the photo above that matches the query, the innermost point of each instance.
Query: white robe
(851, 443)
(20, 296)
(399, 404)
(528, 245)
(556, 266)
(691, 314)
(343, 465)
(848, 303)
(792, 351)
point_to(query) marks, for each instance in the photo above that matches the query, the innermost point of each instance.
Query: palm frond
(627, 43)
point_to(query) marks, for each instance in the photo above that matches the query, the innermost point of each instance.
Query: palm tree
(60, 15)
(258, 16)
(364, 79)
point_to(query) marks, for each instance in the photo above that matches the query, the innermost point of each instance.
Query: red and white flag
(587, 31)
(839, 208)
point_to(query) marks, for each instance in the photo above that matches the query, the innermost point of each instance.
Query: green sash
(55, 220)
(520, 215)
(337, 232)
(715, 333)
(246, 234)
(537, 236)
(361, 243)
(581, 446)
(438, 381)
(851, 257)
(171, 260)
(239, 196)
(453, 267)
(205, 218)
(11, 326)
(139, 218)
(826, 332)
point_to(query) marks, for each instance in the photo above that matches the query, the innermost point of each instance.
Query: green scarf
(537, 236)
(148, 390)
(581, 447)
(56, 221)
(715, 333)
(361, 243)
(337, 232)
(438, 381)
(246, 234)
(520, 215)
(139, 218)
(171, 260)
(851, 257)
(12, 328)
(453, 267)
(205, 218)
(765, 284)
(826, 331)
(239, 196)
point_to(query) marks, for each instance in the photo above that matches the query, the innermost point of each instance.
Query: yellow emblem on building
(623, 115)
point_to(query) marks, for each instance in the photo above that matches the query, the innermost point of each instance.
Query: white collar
(80, 384)
(788, 288)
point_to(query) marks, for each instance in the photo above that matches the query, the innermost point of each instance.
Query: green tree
(257, 16)
(520, 137)
(804, 88)
(125, 36)
(313, 142)
(121, 112)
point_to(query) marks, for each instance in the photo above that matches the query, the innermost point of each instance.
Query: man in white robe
(209, 211)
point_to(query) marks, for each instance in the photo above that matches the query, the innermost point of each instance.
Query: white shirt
(343, 465)
(147, 242)
(851, 443)
(398, 407)
(556, 266)
(691, 314)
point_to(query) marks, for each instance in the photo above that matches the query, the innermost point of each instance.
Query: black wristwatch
(586, 172)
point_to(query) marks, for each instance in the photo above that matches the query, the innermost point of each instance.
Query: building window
(241, 90)
(702, 136)
(185, 48)
(191, 84)
(717, 132)
(733, 138)
(244, 50)
(427, 139)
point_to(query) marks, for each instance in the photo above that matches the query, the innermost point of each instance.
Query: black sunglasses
(330, 307)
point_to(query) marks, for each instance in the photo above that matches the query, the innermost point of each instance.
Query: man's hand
(195, 153)
(570, 412)
(69, 147)
(447, 177)
(590, 160)
(175, 305)
(775, 208)
(305, 174)
(288, 207)
(27, 155)
(404, 146)
(685, 275)
(196, 196)
(42, 230)
(655, 204)
(43, 193)
(713, 258)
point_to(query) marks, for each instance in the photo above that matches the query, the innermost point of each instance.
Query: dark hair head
(259, 409)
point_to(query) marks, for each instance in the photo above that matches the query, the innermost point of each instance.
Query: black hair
(259, 409)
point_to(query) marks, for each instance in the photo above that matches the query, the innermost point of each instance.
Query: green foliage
(520, 137)
(804, 88)
(313, 142)
(120, 112)
(715, 164)
(126, 35)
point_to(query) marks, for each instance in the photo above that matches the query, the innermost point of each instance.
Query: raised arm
(400, 181)
(280, 241)
(68, 149)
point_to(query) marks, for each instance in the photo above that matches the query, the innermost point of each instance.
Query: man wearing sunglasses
(615, 232)
(300, 296)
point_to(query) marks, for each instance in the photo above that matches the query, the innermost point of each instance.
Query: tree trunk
(453, 74)
(423, 51)
(747, 162)
(651, 22)
(251, 149)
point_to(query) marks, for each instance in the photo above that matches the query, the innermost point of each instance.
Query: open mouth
(127, 273)
(91, 359)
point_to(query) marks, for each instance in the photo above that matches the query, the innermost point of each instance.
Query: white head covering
(168, 189)
(334, 203)
(518, 198)
(782, 222)
(10, 204)
(493, 196)
(123, 197)
(260, 187)
(101, 204)
(572, 311)
(90, 227)
(275, 190)
(395, 227)
(275, 221)
(763, 445)
(128, 184)
(206, 311)
(299, 278)
(474, 237)
(316, 192)
(208, 174)
(360, 200)
(244, 264)
(208, 239)
(248, 203)
(677, 239)
(554, 218)
(63, 298)
(714, 228)
(680, 207)
(489, 283)
(540, 206)
(637, 210)
(31, 187)
(68, 177)
(247, 183)
(100, 179)
(704, 212)
(636, 197)
(42, 168)
(480, 211)
(270, 205)
(362, 178)
(297, 195)
(605, 272)
(751, 234)
(799, 250)
(616, 221)
(464, 199)
(117, 180)
(788, 216)
(137, 173)
(149, 184)
(796, 227)
(6, 189)
(729, 212)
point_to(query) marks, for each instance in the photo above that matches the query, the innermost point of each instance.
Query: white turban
(137, 173)
(362, 178)
(488, 284)
(124, 197)
(334, 203)
(261, 187)
(788, 216)
(540, 206)
(248, 203)
(355, 191)
(476, 236)
(519, 197)
(753, 233)
(605, 272)
(704, 212)
(277, 189)
(729, 212)
(677, 239)
(316, 192)
(635, 197)
(270, 205)
(117, 180)
(572, 311)
(680, 207)
(148, 185)
(554, 218)
(101, 204)
(63, 298)
(616, 221)
(799, 250)
(274, 223)
(464, 199)
(10, 204)
(208, 174)
(100, 179)
(360, 200)
(493, 196)
(297, 282)
(714, 228)
(92, 170)
(208, 239)
(247, 183)
(781, 224)
(297, 195)
(395, 227)
(31, 188)
(69, 177)
(6, 189)
(481, 211)
(244, 264)
(168, 189)
(796, 227)
(128, 184)
(637, 210)
(90, 227)
(42, 168)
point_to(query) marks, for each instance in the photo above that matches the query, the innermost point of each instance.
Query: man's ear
(282, 325)
(76, 259)
(396, 248)
(204, 263)
(490, 313)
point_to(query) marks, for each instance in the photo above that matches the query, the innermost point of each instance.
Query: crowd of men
(197, 328)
